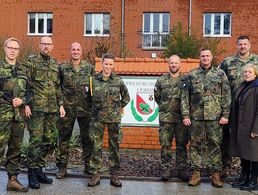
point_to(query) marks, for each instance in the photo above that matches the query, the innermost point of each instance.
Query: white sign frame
(142, 104)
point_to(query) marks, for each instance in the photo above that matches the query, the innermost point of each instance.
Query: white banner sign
(142, 110)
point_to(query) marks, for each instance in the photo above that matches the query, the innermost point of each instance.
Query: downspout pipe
(123, 28)
(190, 17)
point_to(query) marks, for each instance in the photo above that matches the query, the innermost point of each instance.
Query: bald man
(75, 78)
(167, 94)
(42, 110)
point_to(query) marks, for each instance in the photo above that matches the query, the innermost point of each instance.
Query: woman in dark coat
(244, 128)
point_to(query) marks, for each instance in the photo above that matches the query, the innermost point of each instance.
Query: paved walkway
(78, 186)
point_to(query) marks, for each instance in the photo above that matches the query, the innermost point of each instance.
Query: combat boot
(42, 177)
(33, 179)
(166, 174)
(14, 185)
(195, 178)
(87, 170)
(62, 173)
(224, 173)
(215, 180)
(94, 180)
(183, 175)
(114, 181)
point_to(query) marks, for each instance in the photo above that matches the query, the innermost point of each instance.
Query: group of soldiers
(49, 97)
(196, 107)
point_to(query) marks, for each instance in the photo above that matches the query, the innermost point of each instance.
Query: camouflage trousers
(166, 133)
(43, 135)
(96, 137)
(206, 137)
(11, 134)
(65, 134)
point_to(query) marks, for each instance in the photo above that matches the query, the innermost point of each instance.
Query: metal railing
(155, 40)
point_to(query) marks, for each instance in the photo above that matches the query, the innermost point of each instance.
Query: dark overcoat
(243, 121)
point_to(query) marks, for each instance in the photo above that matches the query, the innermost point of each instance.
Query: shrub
(187, 46)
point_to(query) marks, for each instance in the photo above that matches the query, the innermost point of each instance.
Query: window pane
(106, 20)
(146, 40)
(146, 23)
(164, 40)
(49, 25)
(226, 24)
(217, 24)
(207, 24)
(165, 23)
(156, 40)
(32, 23)
(40, 25)
(98, 19)
(88, 23)
(156, 22)
(49, 16)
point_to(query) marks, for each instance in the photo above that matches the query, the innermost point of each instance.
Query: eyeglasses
(46, 44)
(13, 48)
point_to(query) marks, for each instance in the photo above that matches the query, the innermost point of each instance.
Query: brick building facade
(137, 26)
(140, 27)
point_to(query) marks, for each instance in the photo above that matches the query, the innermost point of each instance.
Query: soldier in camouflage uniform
(44, 84)
(233, 67)
(75, 78)
(205, 106)
(167, 94)
(109, 96)
(13, 81)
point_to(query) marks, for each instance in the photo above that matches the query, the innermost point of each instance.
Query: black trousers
(249, 168)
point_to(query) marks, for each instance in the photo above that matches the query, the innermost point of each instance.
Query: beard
(173, 71)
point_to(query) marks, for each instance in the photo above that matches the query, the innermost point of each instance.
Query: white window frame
(93, 25)
(221, 25)
(152, 28)
(36, 24)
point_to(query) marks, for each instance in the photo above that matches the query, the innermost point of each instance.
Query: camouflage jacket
(75, 88)
(233, 67)
(44, 84)
(168, 97)
(108, 98)
(13, 79)
(206, 96)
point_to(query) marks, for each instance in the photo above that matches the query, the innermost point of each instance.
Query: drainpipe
(190, 17)
(123, 29)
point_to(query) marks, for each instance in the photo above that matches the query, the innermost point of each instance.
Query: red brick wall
(139, 138)
(134, 20)
(244, 20)
(69, 21)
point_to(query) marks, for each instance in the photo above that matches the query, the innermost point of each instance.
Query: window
(40, 23)
(97, 24)
(155, 30)
(217, 24)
